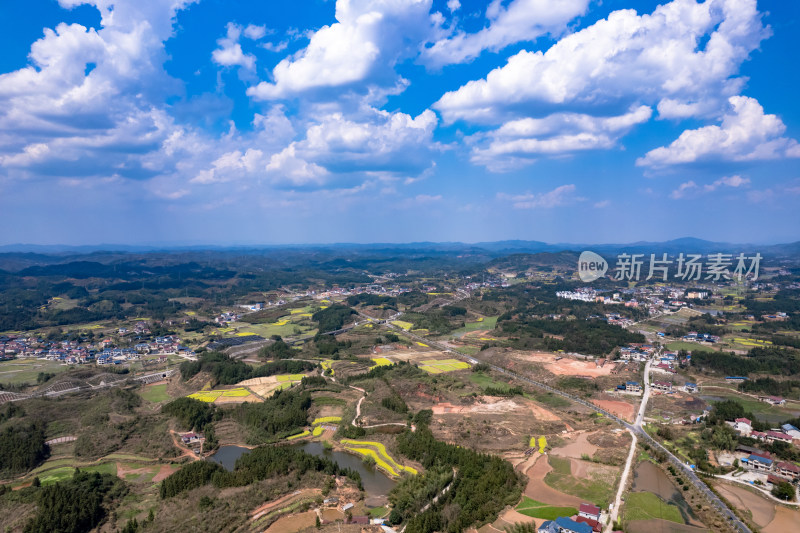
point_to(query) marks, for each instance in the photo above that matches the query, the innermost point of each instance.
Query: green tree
(784, 491)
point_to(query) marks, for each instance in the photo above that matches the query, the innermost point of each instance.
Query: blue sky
(233, 122)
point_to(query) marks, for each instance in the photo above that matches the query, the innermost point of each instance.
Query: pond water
(649, 478)
(227, 455)
(375, 483)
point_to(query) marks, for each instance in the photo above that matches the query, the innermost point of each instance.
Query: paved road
(637, 430)
(623, 481)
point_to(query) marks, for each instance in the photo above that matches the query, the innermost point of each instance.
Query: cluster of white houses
(761, 461)
(73, 352)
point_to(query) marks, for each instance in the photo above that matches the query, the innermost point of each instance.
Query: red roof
(594, 524)
(790, 467)
(588, 508)
(745, 420)
(778, 435)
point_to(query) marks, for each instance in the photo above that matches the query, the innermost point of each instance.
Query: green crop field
(155, 393)
(66, 472)
(593, 490)
(488, 323)
(19, 371)
(535, 509)
(647, 506)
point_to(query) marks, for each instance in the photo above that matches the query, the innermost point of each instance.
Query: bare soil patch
(622, 409)
(164, 472)
(293, 522)
(566, 365)
(283, 501)
(762, 510)
(538, 490)
(577, 447)
(785, 520)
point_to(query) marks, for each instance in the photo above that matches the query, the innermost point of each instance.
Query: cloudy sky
(240, 122)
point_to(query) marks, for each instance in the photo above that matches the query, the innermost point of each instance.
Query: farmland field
(155, 393)
(434, 366)
(535, 509)
(224, 395)
(378, 452)
(646, 506)
(487, 323)
(327, 420)
(19, 371)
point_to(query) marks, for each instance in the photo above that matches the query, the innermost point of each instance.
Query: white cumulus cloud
(684, 57)
(369, 37)
(229, 53)
(745, 134)
(519, 141)
(519, 20)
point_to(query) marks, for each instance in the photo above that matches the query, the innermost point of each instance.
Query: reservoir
(374, 481)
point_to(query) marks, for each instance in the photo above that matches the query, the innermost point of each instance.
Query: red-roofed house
(772, 436)
(743, 426)
(788, 470)
(594, 524)
(587, 510)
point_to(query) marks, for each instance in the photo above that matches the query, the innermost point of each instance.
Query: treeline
(228, 371)
(261, 463)
(787, 301)
(332, 318)
(277, 416)
(437, 321)
(192, 414)
(79, 504)
(413, 298)
(373, 300)
(395, 403)
(789, 388)
(483, 484)
(191, 476)
(594, 337)
(503, 391)
(776, 361)
(22, 447)
(277, 350)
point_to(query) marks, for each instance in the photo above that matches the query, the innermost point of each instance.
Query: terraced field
(377, 451)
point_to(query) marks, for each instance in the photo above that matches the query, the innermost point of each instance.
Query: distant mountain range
(496, 248)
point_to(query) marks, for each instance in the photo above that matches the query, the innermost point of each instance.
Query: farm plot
(326, 420)
(535, 509)
(155, 393)
(237, 395)
(265, 386)
(566, 366)
(438, 366)
(378, 452)
(382, 361)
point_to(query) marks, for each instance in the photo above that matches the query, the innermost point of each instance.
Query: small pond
(375, 483)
